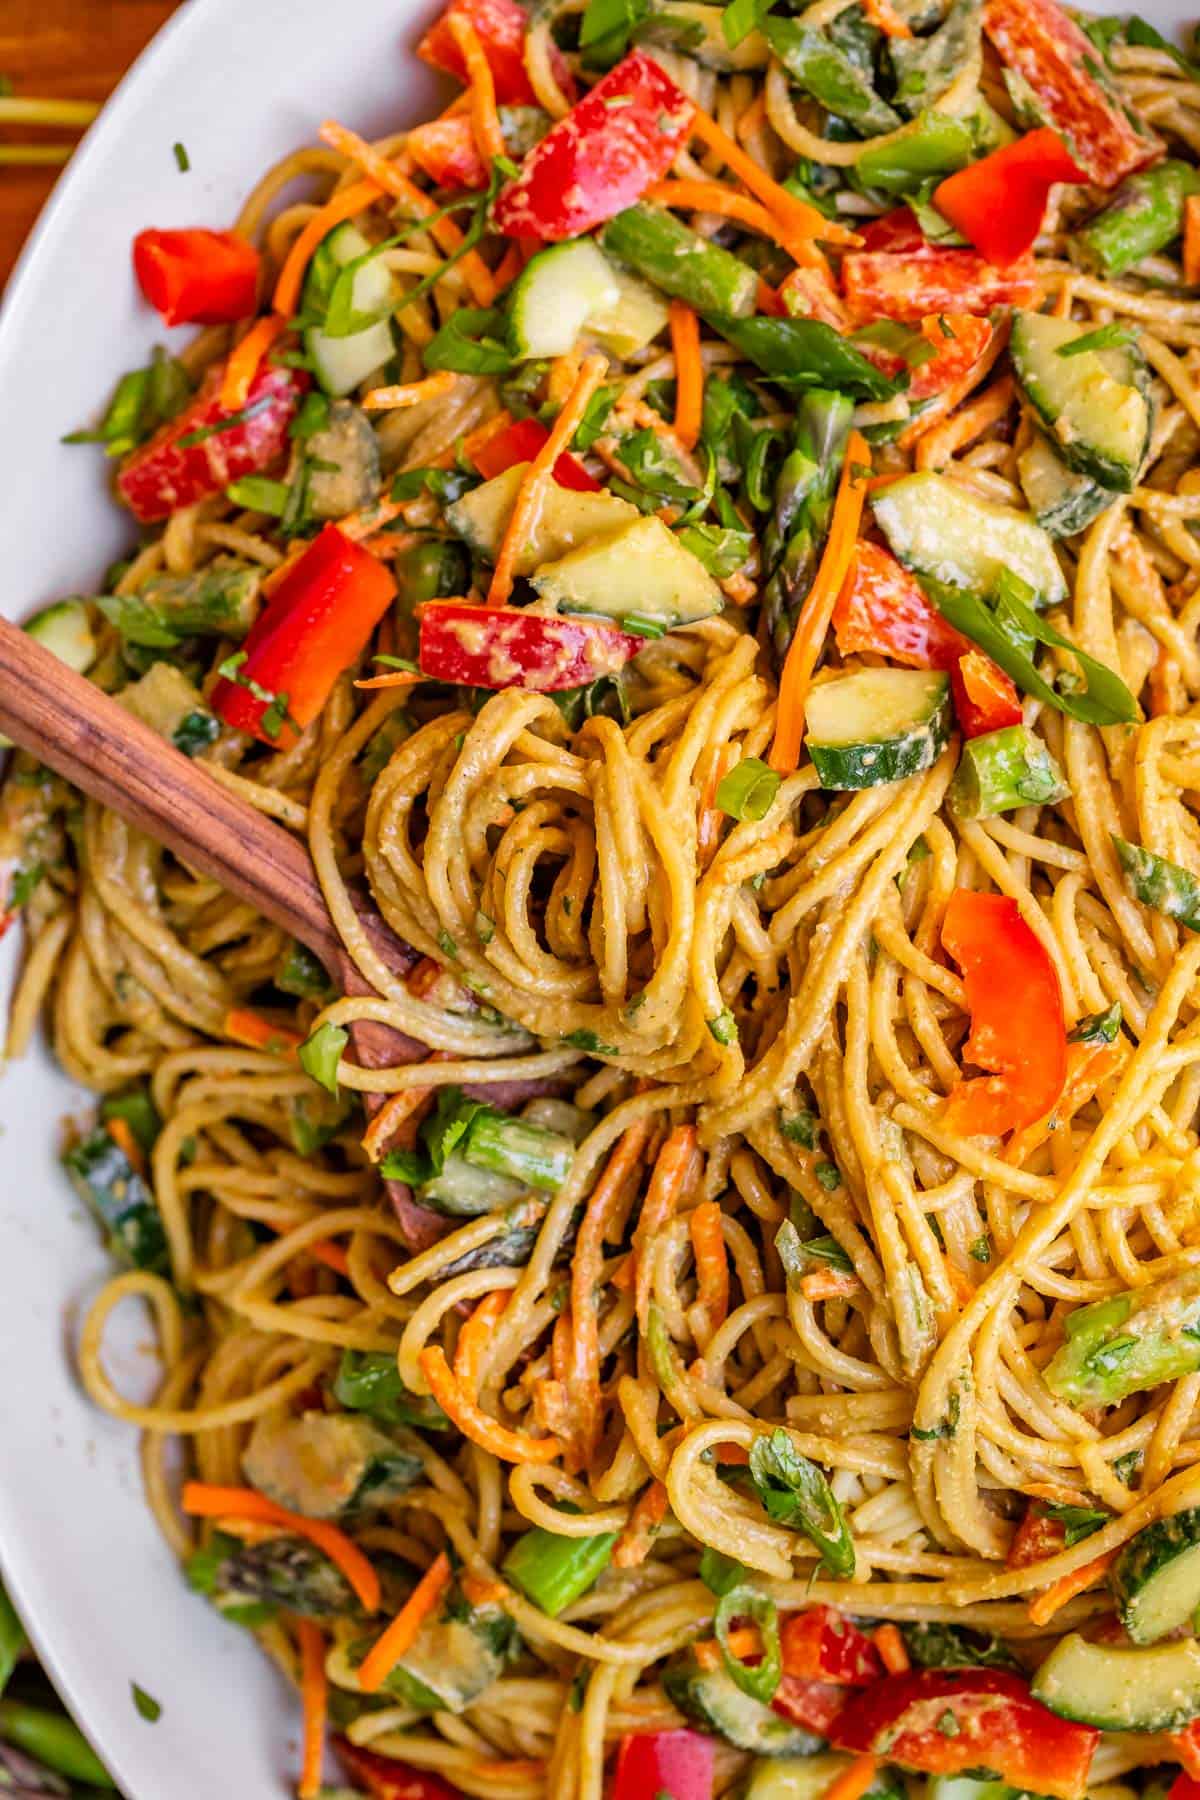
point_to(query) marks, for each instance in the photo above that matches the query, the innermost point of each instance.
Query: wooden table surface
(65, 49)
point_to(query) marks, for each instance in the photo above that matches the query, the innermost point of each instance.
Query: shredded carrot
(877, 482)
(1087, 1066)
(483, 434)
(386, 175)
(1043, 1608)
(332, 1255)
(120, 1132)
(387, 1649)
(1163, 677)
(892, 1654)
(409, 393)
(935, 448)
(480, 1427)
(689, 374)
(344, 205)
(393, 678)
(743, 1641)
(398, 1111)
(250, 1028)
(709, 817)
(853, 1782)
(528, 1768)
(204, 1500)
(714, 197)
(712, 1264)
(803, 222)
(587, 1268)
(809, 637)
(829, 1284)
(245, 358)
(1191, 240)
(885, 18)
(1056, 1492)
(481, 1590)
(668, 1183)
(735, 1455)
(768, 300)
(473, 1339)
(485, 120)
(508, 268)
(751, 118)
(314, 1697)
(538, 477)
(633, 1545)
(1063, 301)
(960, 1281)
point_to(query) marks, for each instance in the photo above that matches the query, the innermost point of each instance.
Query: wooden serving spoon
(100, 747)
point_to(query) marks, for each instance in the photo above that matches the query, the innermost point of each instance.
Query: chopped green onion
(183, 161)
(724, 1027)
(719, 1572)
(795, 1492)
(749, 790)
(762, 1679)
(1105, 337)
(553, 1570)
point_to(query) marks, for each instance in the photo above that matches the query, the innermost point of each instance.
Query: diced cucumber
(641, 568)
(1094, 405)
(1121, 1690)
(1156, 1578)
(1062, 500)
(166, 700)
(326, 1465)
(1004, 769)
(809, 1778)
(343, 469)
(1166, 886)
(877, 726)
(103, 1176)
(940, 528)
(1129, 1342)
(456, 1655)
(639, 315)
(63, 629)
(464, 1191)
(555, 294)
(566, 519)
(699, 34)
(713, 1699)
(343, 363)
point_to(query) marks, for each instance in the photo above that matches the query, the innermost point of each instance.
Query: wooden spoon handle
(92, 741)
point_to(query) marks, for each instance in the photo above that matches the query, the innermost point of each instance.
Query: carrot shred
(332, 1255)
(120, 1132)
(936, 447)
(853, 1782)
(244, 1026)
(344, 205)
(587, 1268)
(314, 1697)
(883, 15)
(480, 1427)
(483, 434)
(960, 1281)
(689, 374)
(393, 678)
(712, 1264)
(386, 175)
(1191, 240)
(245, 358)
(485, 120)
(817, 610)
(508, 268)
(1043, 1608)
(829, 1284)
(768, 300)
(204, 1500)
(1087, 1066)
(743, 1641)
(480, 1590)
(715, 197)
(1161, 678)
(633, 1545)
(473, 1339)
(398, 1111)
(409, 393)
(667, 1185)
(387, 1649)
(801, 221)
(709, 814)
(538, 476)
(892, 1653)
(940, 408)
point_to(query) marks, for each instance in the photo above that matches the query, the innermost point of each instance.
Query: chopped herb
(23, 884)
(946, 1427)
(981, 1249)
(587, 1040)
(578, 1690)
(485, 928)
(230, 422)
(794, 1492)
(829, 1176)
(276, 714)
(1078, 1522)
(1143, 36)
(257, 493)
(443, 484)
(1098, 1028)
(447, 945)
(948, 1725)
(1105, 337)
(800, 1127)
(320, 1054)
(148, 1707)
(183, 161)
(724, 1027)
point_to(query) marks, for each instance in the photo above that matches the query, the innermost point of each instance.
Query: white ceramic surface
(239, 82)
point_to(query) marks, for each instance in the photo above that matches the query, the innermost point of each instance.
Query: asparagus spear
(219, 600)
(513, 1147)
(1160, 884)
(248, 1581)
(1004, 769)
(1143, 216)
(934, 144)
(803, 502)
(553, 1571)
(681, 262)
(1130, 1342)
(816, 64)
(54, 1740)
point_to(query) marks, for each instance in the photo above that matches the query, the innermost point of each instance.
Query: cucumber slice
(343, 363)
(167, 701)
(1062, 500)
(345, 453)
(63, 629)
(940, 528)
(1094, 406)
(566, 519)
(877, 726)
(972, 1787)
(638, 317)
(1121, 1690)
(641, 568)
(1156, 1578)
(713, 1699)
(694, 29)
(809, 1777)
(462, 1191)
(555, 294)
(325, 1465)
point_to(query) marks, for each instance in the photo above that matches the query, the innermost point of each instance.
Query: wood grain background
(68, 49)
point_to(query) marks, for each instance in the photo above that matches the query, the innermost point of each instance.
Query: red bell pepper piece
(500, 26)
(317, 621)
(822, 1644)
(999, 202)
(985, 698)
(204, 448)
(620, 138)
(197, 277)
(1186, 1745)
(519, 443)
(507, 646)
(446, 150)
(913, 285)
(946, 1721)
(1184, 1787)
(814, 1705)
(957, 341)
(896, 233)
(387, 1779)
(1017, 1023)
(1036, 1538)
(679, 1763)
(884, 609)
(1038, 40)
